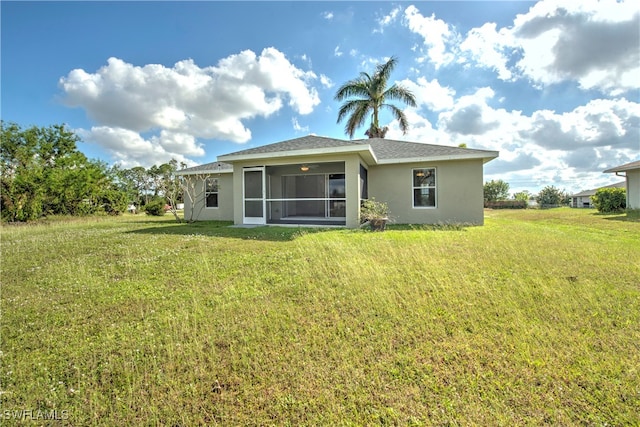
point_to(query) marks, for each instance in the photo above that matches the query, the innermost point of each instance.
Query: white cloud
(186, 102)
(130, 149)
(595, 43)
(569, 149)
(387, 20)
(326, 81)
(337, 52)
(297, 127)
(438, 36)
(430, 93)
(490, 48)
(328, 16)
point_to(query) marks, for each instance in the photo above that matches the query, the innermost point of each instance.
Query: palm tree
(370, 94)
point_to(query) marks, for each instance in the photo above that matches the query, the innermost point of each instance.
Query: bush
(372, 209)
(610, 200)
(506, 204)
(155, 207)
(114, 202)
(550, 196)
(496, 190)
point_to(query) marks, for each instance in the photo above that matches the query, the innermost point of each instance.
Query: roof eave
(624, 168)
(364, 150)
(485, 156)
(204, 172)
(616, 170)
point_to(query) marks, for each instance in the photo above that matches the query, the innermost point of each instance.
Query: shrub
(610, 200)
(155, 207)
(523, 195)
(372, 209)
(550, 196)
(496, 190)
(506, 204)
(114, 202)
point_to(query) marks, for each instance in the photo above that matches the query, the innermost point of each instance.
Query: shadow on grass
(624, 218)
(224, 229)
(430, 227)
(629, 216)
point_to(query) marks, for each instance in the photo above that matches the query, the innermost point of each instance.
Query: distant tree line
(496, 195)
(43, 173)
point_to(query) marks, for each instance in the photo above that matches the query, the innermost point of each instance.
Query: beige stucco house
(631, 172)
(322, 181)
(583, 198)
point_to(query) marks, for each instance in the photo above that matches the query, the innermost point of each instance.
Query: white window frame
(434, 187)
(206, 193)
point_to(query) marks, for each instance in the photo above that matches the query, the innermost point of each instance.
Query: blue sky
(553, 85)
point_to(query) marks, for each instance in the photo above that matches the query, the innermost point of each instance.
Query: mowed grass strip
(532, 319)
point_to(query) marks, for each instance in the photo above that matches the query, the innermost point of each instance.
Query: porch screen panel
(253, 184)
(253, 204)
(337, 190)
(304, 187)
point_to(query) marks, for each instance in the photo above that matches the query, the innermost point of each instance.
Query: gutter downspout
(626, 184)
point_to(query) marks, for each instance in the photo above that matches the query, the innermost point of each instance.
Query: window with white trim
(424, 188)
(211, 192)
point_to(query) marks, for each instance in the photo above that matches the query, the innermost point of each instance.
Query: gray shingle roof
(625, 167)
(309, 142)
(593, 191)
(388, 149)
(219, 167)
(383, 149)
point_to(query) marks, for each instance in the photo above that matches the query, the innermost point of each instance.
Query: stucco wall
(459, 197)
(633, 189)
(224, 211)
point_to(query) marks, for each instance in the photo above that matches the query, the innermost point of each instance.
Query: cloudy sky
(554, 85)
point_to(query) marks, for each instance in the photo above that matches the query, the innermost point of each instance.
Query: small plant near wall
(375, 213)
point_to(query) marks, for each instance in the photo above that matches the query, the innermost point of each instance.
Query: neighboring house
(631, 172)
(320, 180)
(583, 199)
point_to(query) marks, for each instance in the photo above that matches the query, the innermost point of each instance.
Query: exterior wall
(224, 211)
(459, 192)
(581, 202)
(633, 189)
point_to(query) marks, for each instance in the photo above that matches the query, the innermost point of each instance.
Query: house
(631, 172)
(321, 181)
(583, 199)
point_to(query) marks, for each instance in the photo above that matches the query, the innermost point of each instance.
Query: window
(424, 188)
(211, 192)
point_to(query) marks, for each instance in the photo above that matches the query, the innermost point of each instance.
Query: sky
(553, 85)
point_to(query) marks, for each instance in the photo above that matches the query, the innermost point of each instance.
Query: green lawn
(532, 319)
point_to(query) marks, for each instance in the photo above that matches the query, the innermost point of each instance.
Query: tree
(43, 173)
(607, 200)
(194, 190)
(551, 196)
(496, 190)
(371, 95)
(169, 185)
(522, 196)
(136, 182)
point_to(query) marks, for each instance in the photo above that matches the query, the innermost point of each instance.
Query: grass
(532, 319)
